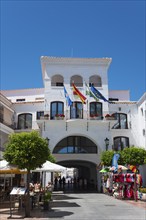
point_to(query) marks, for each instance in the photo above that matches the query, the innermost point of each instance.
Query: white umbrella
(119, 167)
(6, 168)
(50, 167)
(3, 163)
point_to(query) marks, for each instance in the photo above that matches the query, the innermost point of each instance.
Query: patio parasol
(6, 168)
(119, 167)
(50, 167)
(104, 170)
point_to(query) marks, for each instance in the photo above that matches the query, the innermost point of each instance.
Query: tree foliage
(26, 150)
(134, 155)
(131, 155)
(106, 157)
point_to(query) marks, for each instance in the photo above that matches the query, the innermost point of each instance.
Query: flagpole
(87, 111)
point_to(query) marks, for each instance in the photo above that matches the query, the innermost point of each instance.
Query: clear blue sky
(31, 29)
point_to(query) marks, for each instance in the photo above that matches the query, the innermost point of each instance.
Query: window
(95, 80)
(40, 114)
(25, 121)
(75, 145)
(20, 100)
(56, 108)
(59, 83)
(77, 80)
(120, 143)
(96, 109)
(122, 121)
(1, 113)
(57, 80)
(76, 110)
(142, 111)
(113, 99)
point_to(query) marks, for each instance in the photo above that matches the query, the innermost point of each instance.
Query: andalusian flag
(90, 93)
(79, 94)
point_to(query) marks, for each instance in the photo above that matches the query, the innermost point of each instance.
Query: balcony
(12, 126)
(80, 115)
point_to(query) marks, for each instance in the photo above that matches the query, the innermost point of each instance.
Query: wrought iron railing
(78, 114)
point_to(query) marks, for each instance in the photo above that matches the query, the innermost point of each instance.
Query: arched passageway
(84, 176)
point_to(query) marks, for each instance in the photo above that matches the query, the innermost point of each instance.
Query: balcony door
(76, 110)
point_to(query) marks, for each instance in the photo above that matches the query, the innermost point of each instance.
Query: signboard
(18, 191)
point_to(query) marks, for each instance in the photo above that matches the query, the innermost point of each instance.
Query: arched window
(122, 121)
(77, 80)
(76, 110)
(75, 145)
(57, 80)
(96, 109)
(120, 143)
(56, 108)
(95, 80)
(25, 121)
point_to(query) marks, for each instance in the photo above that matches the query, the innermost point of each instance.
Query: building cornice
(142, 99)
(31, 102)
(71, 60)
(124, 102)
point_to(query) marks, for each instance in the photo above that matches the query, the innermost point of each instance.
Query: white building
(78, 140)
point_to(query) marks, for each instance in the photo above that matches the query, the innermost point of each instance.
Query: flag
(69, 101)
(79, 94)
(98, 94)
(115, 161)
(89, 92)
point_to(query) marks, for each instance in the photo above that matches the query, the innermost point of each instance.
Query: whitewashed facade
(78, 140)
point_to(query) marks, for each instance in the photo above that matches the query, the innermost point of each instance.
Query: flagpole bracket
(87, 125)
(66, 125)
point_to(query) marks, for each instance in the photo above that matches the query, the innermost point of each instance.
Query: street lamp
(106, 143)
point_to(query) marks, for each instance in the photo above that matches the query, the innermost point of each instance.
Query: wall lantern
(106, 143)
(47, 139)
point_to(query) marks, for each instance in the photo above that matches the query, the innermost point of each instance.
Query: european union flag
(69, 102)
(98, 94)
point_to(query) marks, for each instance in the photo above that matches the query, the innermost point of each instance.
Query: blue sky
(31, 29)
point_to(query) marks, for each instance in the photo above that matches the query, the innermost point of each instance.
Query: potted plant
(59, 116)
(109, 117)
(91, 116)
(62, 116)
(46, 200)
(46, 116)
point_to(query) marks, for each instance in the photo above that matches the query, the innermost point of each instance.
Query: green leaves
(134, 155)
(27, 150)
(106, 157)
(131, 155)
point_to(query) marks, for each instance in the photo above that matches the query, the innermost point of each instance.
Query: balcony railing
(85, 115)
(7, 123)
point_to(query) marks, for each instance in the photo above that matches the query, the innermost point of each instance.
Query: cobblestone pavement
(87, 206)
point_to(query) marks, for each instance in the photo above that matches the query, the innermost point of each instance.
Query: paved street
(87, 206)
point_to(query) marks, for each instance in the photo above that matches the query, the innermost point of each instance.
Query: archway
(84, 176)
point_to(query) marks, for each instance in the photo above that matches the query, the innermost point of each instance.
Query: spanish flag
(79, 94)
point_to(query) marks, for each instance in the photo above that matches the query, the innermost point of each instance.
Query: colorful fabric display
(139, 179)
